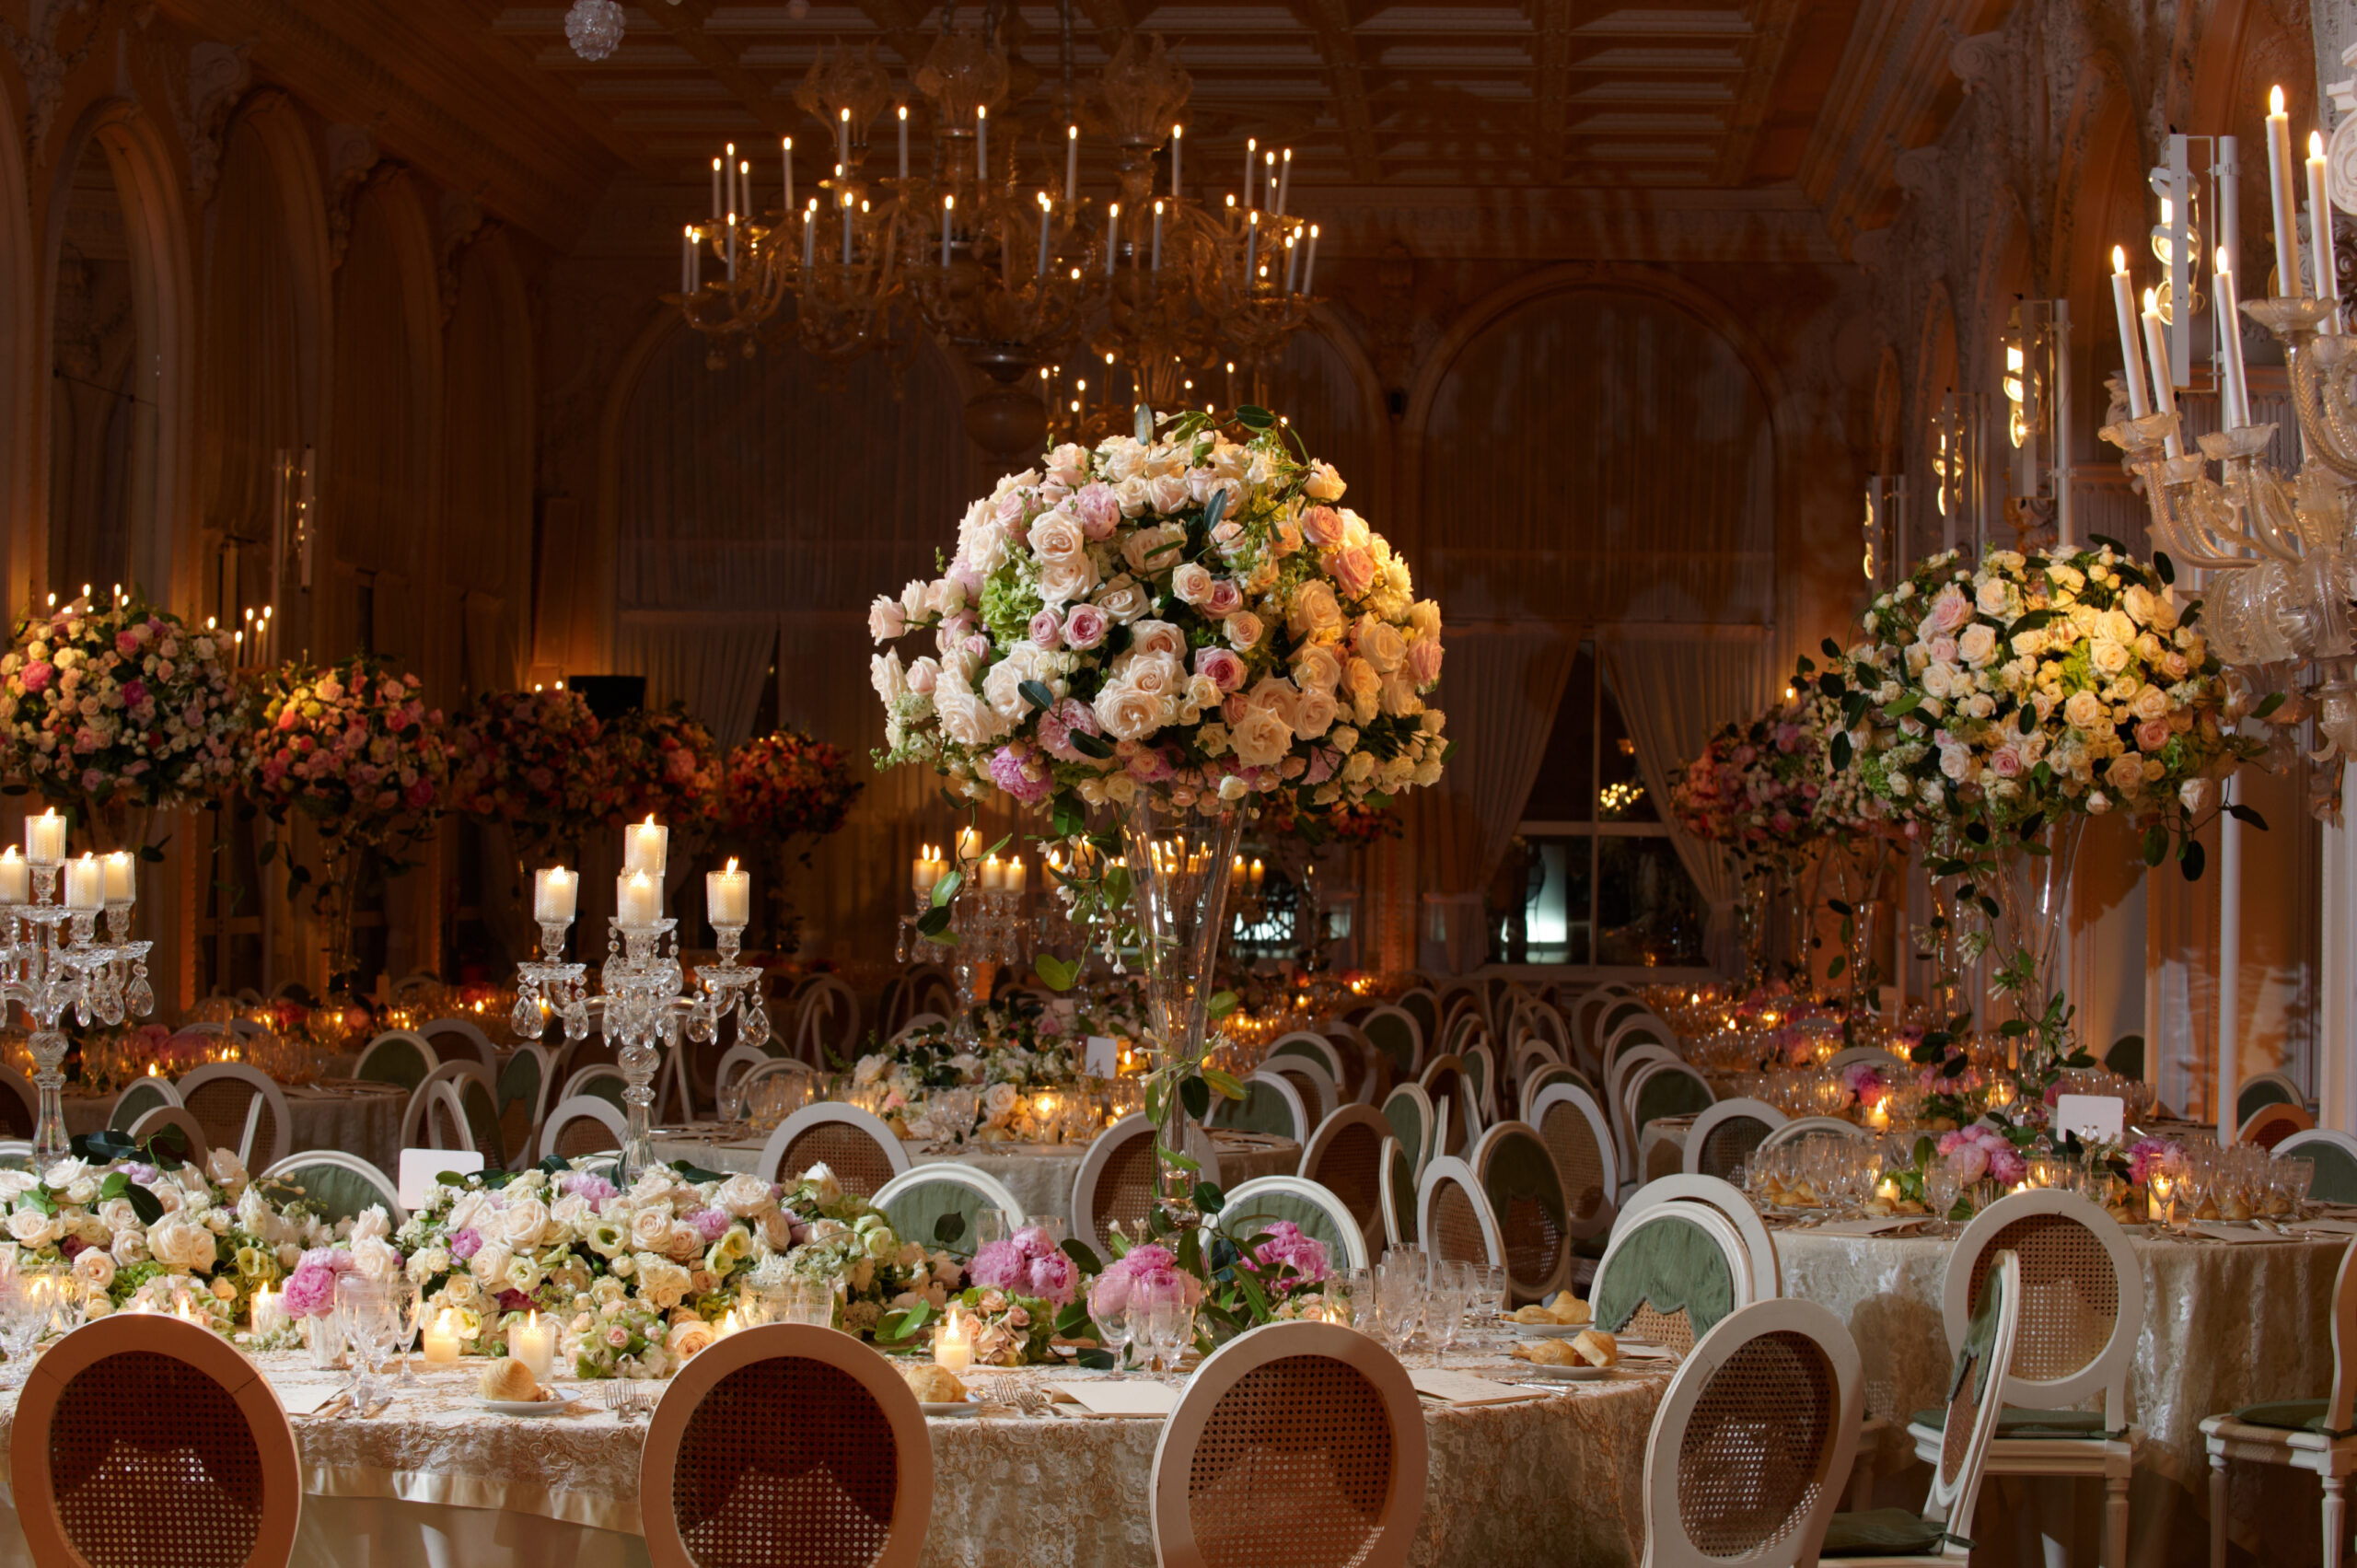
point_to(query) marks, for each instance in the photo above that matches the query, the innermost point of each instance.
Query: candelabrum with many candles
(645, 998)
(985, 919)
(51, 958)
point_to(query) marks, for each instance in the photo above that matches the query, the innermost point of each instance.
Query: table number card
(1104, 1057)
(2097, 1118)
(421, 1167)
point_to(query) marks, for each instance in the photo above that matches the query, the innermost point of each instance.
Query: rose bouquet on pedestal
(662, 762)
(532, 762)
(775, 789)
(117, 712)
(1178, 628)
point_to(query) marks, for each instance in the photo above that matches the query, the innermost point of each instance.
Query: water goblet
(1452, 1293)
(1114, 1331)
(2300, 1177)
(1168, 1319)
(1490, 1285)
(408, 1307)
(363, 1309)
(1942, 1188)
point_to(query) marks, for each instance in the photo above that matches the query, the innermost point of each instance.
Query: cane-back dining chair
(1672, 1274)
(858, 1147)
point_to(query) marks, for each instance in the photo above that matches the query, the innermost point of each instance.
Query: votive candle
(727, 896)
(556, 894)
(533, 1342)
(86, 883)
(442, 1340)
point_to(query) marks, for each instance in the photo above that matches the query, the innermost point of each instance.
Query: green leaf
(2191, 859)
(1091, 746)
(1833, 649)
(1094, 1360)
(950, 800)
(2268, 704)
(1225, 1085)
(1059, 973)
(1222, 1004)
(2028, 720)
(933, 921)
(1209, 1198)
(1075, 1323)
(946, 888)
(1080, 1253)
(1004, 840)
(950, 1229)
(1179, 1160)
(1839, 752)
(1925, 1054)
(1196, 1096)
(1035, 693)
(2249, 814)
(2156, 844)
(2165, 567)
(1905, 705)
(1833, 970)
(145, 1204)
(1252, 417)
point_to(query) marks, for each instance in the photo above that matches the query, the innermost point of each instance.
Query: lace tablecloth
(1039, 1174)
(2225, 1326)
(1556, 1479)
(363, 1119)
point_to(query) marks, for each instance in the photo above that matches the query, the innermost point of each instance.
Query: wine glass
(1400, 1288)
(365, 1308)
(1452, 1293)
(1114, 1331)
(1490, 1287)
(2299, 1176)
(27, 1299)
(1942, 1187)
(407, 1305)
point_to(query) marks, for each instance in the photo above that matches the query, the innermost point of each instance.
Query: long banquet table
(437, 1480)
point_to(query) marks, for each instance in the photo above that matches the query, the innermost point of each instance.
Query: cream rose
(1126, 713)
(1057, 536)
(525, 1222)
(182, 1246)
(1313, 612)
(2083, 710)
(1978, 646)
(1260, 739)
(687, 1338)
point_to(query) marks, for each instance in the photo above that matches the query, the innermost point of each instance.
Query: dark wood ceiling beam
(684, 21)
(1771, 34)
(1331, 20)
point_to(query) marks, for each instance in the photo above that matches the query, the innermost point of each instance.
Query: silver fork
(619, 1395)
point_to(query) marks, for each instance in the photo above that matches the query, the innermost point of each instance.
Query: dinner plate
(525, 1407)
(1551, 1330)
(949, 1407)
(1532, 1369)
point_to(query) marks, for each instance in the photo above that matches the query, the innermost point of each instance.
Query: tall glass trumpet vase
(2035, 894)
(1179, 863)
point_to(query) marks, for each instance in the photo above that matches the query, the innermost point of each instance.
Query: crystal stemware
(1114, 1331)
(408, 1307)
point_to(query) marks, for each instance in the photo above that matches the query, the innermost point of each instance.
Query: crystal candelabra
(51, 958)
(645, 999)
(989, 924)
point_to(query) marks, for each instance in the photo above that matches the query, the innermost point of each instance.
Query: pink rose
(2151, 735)
(1423, 661)
(1322, 526)
(1353, 570)
(1227, 597)
(1950, 612)
(2005, 762)
(1046, 631)
(1224, 667)
(1100, 510)
(37, 674)
(1084, 627)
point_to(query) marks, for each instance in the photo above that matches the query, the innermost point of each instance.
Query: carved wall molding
(218, 74)
(463, 224)
(353, 158)
(45, 65)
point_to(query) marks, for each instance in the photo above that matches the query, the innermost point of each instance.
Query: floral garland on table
(121, 706)
(353, 748)
(663, 762)
(532, 762)
(1023, 1047)
(672, 1252)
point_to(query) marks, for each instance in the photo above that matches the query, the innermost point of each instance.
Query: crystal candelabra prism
(52, 960)
(987, 927)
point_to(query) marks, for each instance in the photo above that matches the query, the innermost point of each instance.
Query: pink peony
(1284, 1244)
(1146, 1275)
(37, 674)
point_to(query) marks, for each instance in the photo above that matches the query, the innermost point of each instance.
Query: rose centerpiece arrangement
(1175, 628)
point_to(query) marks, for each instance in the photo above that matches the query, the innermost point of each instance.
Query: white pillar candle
(2278, 182)
(442, 1340)
(1285, 184)
(647, 846)
(2320, 256)
(638, 898)
(15, 877)
(716, 208)
(904, 140)
(2156, 352)
(86, 883)
(2236, 411)
(1293, 261)
(1016, 876)
(994, 875)
(727, 896)
(732, 247)
(810, 234)
(556, 894)
(687, 255)
(785, 151)
(953, 1344)
(533, 1342)
(121, 878)
(2131, 358)
(45, 838)
(1047, 211)
(842, 138)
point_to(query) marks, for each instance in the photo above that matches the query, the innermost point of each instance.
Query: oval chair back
(1310, 1422)
(239, 1109)
(1753, 1440)
(1363, 1079)
(1481, 1075)
(599, 1080)
(151, 1122)
(734, 1062)
(1454, 1216)
(341, 1186)
(1587, 1030)
(1975, 1404)
(1533, 1056)
(1410, 1115)
(787, 1443)
(1726, 1136)
(140, 1438)
(2082, 1301)
(1116, 1183)
(2334, 1158)
(2270, 1124)
(20, 1104)
(1253, 1206)
(1574, 1128)
(1270, 1104)
(1312, 1083)
(920, 1200)
(461, 1040)
(139, 1096)
(1526, 1193)
(1547, 1076)
(1317, 1049)
(826, 1020)
(1672, 1274)
(1395, 1032)
(859, 1148)
(1398, 1194)
(1422, 1005)
(1762, 1276)
(397, 1056)
(424, 1120)
(1443, 1081)
(1667, 1088)
(523, 1088)
(2264, 1089)
(585, 1124)
(1345, 1156)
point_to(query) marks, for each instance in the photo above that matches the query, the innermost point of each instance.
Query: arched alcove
(21, 364)
(1599, 456)
(1324, 384)
(485, 552)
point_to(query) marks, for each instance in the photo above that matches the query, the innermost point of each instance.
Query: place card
(2097, 1118)
(2232, 1234)
(421, 1167)
(1104, 1057)
(302, 1399)
(1129, 1397)
(1462, 1388)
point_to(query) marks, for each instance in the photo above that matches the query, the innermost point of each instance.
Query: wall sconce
(2038, 416)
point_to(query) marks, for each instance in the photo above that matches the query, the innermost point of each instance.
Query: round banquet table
(358, 1118)
(435, 1480)
(1039, 1174)
(2225, 1326)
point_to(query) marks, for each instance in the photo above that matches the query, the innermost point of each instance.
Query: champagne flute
(408, 1307)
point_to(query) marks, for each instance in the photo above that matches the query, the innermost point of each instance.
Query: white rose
(1150, 638)
(94, 1268)
(1315, 713)
(30, 1226)
(1122, 456)
(181, 1244)
(998, 1103)
(650, 1230)
(489, 1265)
(742, 1196)
(1132, 496)
(965, 717)
(524, 1224)
(1380, 645)
(1260, 739)
(372, 1223)
(887, 619)
(130, 1247)
(1323, 484)
(1003, 689)
(1313, 610)
(2083, 710)
(823, 1184)
(467, 1213)
(1122, 600)
(2108, 657)
(1057, 536)
(1978, 646)
(1191, 583)
(377, 1258)
(1166, 491)
(885, 674)
(1126, 713)
(1315, 668)
(1156, 675)
(1242, 631)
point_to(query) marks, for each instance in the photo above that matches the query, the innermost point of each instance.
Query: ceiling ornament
(593, 27)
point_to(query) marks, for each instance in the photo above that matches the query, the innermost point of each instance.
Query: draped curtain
(1672, 693)
(1500, 687)
(716, 667)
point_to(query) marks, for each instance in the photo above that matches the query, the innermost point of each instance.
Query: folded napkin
(1128, 1397)
(2233, 1236)
(1459, 1388)
(2327, 1228)
(302, 1399)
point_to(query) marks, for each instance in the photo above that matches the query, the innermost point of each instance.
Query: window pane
(1550, 924)
(1646, 906)
(1622, 793)
(1564, 790)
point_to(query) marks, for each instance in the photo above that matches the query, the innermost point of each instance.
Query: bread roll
(1597, 1348)
(507, 1379)
(932, 1385)
(1568, 1309)
(1549, 1352)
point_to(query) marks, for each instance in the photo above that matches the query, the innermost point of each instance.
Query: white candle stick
(1072, 164)
(647, 846)
(728, 897)
(842, 137)
(732, 248)
(533, 1342)
(947, 205)
(904, 140)
(1292, 258)
(1251, 155)
(2123, 305)
(1310, 266)
(1157, 237)
(15, 877)
(45, 838)
(786, 147)
(2320, 256)
(557, 893)
(716, 207)
(1284, 185)
(810, 234)
(638, 898)
(687, 256)
(1178, 147)
(981, 141)
(86, 883)
(1112, 236)
(2157, 353)
(846, 228)
(2279, 182)
(2236, 409)
(734, 204)
(1047, 211)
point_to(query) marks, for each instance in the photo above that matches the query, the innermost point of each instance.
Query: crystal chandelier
(593, 27)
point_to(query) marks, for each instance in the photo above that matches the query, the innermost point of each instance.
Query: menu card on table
(1125, 1398)
(1460, 1389)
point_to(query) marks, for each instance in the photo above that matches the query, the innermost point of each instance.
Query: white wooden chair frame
(2282, 1080)
(1668, 1544)
(1174, 1544)
(2346, 1143)
(471, 1032)
(407, 1037)
(1616, 1081)
(825, 996)
(414, 1121)
(153, 1121)
(1710, 1222)
(388, 1192)
(1313, 1155)
(1729, 1203)
(1101, 1153)
(1801, 1127)
(1327, 1093)
(773, 1148)
(542, 1098)
(1481, 1068)
(737, 1056)
(1354, 1246)
(1415, 1038)
(577, 1087)
(2106, 1373)
(1393, 1150)
(1421, 1154)
(265, 1091)
(1558, 1276)
(1725, 1110)
(1608, 1206)
(1287, 1095)
(1530, 1054)
(1314, 1047)
(583, 1107)
(2331, 1458)
(171, 1094)
(1361, 1072)
(1447, 1169)
(1561, 1072)
(421, 1128)
(156, 1333)
(949, 1173)
(658, 1462)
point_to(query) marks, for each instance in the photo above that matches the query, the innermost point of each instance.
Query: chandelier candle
(904, 140)
(647, 846)
(729, 158)
(86, 884)
(728, 897)
(1072, 164)
(638, 898)
(1157, 237)
(1112, 236)
(1251, 152)
(716, 208)
(1284, 185)
(45, 838)
(15, 877)
(843, 139)
(2279, 184)
(1047, 211)
(2132, 359)
(982, 141)
(119, 887)
(785, 145)
(1178, 146)
(2236, 408)
(557, 893)
(810, 235)
(2156, 352)
(947, 205)
(1310, 266)
(2320, 229)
